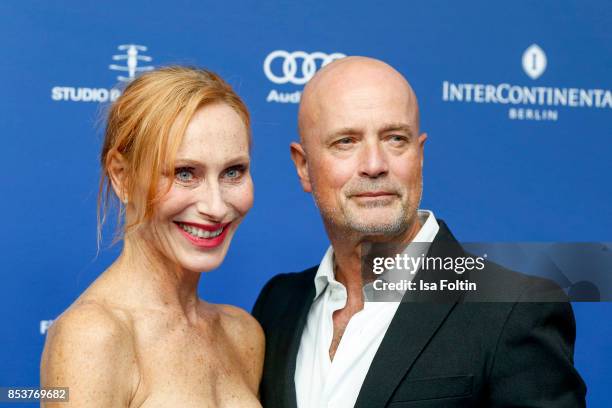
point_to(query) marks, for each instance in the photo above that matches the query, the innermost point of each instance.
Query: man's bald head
(350, 75)
(361, 151)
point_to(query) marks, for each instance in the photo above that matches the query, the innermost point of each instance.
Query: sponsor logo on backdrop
(44, 326)
(528, 102)
(534, 61)
(296, 68)
(128, 62)
(131, 58)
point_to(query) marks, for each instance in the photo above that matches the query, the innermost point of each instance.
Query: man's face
(364, 158)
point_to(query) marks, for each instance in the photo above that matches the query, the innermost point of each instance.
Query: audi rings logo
(296, 67)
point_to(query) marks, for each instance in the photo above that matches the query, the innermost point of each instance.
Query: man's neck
(347, 270)
(347, 256)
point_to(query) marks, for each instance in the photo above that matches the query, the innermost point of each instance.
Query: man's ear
(421, 142)
(116, 165)
(298, 155)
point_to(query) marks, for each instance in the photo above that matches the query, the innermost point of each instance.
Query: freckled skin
(139, 336)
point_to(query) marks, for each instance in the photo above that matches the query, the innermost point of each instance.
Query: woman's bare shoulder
(90, 320)
(239, 322)
(247, 338)
(89, 348)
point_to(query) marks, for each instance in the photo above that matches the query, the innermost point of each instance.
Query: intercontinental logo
(528, 102)
(534, 61)
(294, 68)
(128, 62)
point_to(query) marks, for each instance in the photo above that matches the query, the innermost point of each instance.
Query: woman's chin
(202, 265)
(203, 262)
(200, 259)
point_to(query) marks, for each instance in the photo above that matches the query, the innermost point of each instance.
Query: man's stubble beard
(345, 221)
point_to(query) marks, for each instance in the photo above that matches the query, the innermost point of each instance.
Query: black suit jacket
(454, 353)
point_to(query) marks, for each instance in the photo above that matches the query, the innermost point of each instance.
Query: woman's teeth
(199, 232)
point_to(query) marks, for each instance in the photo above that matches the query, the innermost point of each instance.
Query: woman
(176, 155)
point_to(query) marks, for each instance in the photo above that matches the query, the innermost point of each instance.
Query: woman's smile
(203, 236)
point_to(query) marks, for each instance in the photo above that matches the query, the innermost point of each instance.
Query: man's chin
(383, 226)
(383, 203)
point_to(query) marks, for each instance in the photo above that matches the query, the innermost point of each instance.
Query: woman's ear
(116, 166)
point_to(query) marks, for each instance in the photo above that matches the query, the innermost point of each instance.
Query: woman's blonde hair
(146, 126)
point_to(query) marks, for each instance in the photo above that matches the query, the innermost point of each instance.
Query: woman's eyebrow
(184, 161)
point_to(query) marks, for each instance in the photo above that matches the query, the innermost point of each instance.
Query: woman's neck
(153, 280)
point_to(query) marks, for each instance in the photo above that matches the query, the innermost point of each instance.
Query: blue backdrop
(500, 165)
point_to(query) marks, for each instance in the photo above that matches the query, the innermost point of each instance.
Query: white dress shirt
(320, 382)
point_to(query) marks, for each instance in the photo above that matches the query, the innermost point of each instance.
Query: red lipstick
(205, 242)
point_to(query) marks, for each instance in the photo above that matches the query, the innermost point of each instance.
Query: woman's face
(211, 190)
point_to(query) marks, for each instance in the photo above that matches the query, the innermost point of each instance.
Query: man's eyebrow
(394, 127)
(390, 127)
(345, 131)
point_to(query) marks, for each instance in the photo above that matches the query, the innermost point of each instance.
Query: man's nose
(210, 202)
(373, 161)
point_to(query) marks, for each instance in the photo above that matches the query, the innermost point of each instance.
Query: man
(361, 155)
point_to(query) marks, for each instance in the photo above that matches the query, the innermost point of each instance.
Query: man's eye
(398, 139)
(184, 174)
(344, 143)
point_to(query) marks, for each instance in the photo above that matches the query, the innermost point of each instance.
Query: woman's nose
(210, 202)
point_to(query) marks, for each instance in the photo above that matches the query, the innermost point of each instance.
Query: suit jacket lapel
(290, 334)
(410, 330)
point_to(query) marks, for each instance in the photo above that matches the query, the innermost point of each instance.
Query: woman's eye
(184, 174)
(235, 172)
